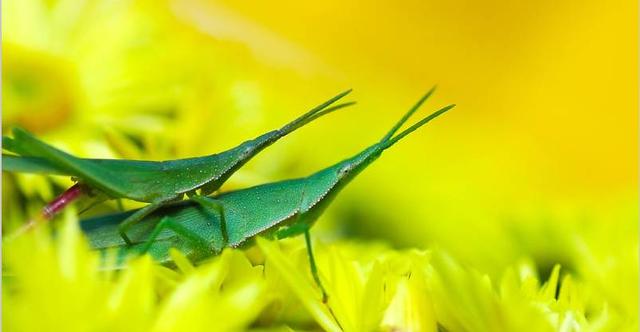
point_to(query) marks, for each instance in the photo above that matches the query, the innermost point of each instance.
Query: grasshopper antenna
(315, 113)
(330, 110)
(408, 114)
(419, 124)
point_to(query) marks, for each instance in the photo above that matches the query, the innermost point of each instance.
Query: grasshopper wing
(90, 172)
(134, 179)
(31, 165)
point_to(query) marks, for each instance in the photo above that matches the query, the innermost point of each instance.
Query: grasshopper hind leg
(316, 277)
(135, 217)
(120, 205)
(314, 268)
(170, 223)
(214, 205)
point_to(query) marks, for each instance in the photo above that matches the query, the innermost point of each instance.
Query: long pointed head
(236, 157)
(249, 148)
(349, 168)
(332, 179)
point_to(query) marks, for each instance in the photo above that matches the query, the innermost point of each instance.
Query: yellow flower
(298, 282)
(411, 308)
(58, 285)
(370, 287)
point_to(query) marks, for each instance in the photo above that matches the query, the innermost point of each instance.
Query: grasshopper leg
(137, 216)
(170, 223)
(215, 205)
(314, 268)
(120, 204)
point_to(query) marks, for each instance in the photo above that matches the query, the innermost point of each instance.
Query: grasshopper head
(250, 148)
(245, 151)
(330, 181)
(349, 168)
(346, 170)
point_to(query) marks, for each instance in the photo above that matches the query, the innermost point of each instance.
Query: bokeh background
(538, 161)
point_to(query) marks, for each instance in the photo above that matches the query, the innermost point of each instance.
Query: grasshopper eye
(344, 170)
(246, 151)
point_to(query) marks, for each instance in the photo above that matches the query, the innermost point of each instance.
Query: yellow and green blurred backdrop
(538, 161)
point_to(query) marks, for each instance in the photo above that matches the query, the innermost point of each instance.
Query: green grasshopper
(203, 226)
(154, 182)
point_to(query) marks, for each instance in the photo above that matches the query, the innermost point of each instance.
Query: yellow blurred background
(539, 159)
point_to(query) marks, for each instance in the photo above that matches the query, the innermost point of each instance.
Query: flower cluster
(58, 284)
(164, 79)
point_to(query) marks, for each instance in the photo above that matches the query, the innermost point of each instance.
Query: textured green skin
(103, 233)
(278, 210)
(147, 181)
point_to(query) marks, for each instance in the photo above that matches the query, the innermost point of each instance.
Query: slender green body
(147, 181)
(103, 233)
(278, 210)
(155, 182)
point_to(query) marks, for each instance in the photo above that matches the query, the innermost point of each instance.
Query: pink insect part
(62, 201)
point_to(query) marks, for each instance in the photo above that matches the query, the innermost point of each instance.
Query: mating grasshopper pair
(202, 225)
